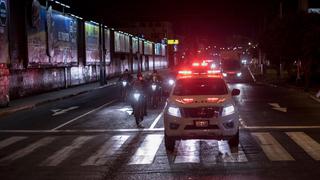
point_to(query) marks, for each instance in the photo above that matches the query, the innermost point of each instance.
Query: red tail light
(204, 64)
(185, 72)
(185, 100)
(212, 100)
(195, 64)
(213, 71)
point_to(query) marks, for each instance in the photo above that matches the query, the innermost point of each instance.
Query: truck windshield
(201, 86)
(231, 65)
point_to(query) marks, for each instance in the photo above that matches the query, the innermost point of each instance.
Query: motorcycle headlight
(153, 86)
(171, 82)
(124, 83)
(239, 74)
(136, 96)
(228, 110)
(174, 111)
(224, 74)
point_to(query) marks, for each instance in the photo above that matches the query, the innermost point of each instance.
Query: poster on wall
(4, 56)
(92, 43)
(157, 49)
(135, 45)
(62, 37)
(107, 46)
(36, 32)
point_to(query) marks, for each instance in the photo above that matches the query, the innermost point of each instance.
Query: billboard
(148, 48)
(62, 38)
(107, 46)
(121, 42)
(4, 56)
(92, 43)
(37, 43)
(157, 49)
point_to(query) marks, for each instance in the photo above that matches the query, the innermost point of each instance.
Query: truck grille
(201, 112)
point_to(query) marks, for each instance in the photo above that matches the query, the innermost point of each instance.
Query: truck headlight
(171, 82)
(228, 110)
(174, 111)
(239, 74)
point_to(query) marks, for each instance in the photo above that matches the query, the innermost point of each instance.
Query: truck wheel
(169, 142)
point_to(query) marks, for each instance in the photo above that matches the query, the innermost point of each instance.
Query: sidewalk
(273, 81)
(36, 100)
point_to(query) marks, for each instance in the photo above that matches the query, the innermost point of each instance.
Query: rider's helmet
(139, 76)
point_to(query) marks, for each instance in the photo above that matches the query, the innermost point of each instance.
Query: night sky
(211, 19)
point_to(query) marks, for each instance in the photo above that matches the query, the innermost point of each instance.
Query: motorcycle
(154, 94)
(138, 106)
(124, 90)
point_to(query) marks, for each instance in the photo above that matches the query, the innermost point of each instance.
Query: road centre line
(83, 115)
(156, 120)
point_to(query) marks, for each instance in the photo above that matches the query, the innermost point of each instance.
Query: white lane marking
(156, 120)
(84, 130)
(254, 79)
(188, 152)
(11, 140)
(281, 127)
(147, 150)
(64, 153)
(228, 156)
(276, 106)
(106, 150)
(83, 115)
(314, 98)
(27, 150)
(272, 148)
(309, 145)
(57, 112)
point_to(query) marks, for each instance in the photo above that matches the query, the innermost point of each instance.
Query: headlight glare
(174, 111)
(228, 110)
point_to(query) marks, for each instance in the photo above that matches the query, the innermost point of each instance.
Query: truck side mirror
(235, 92)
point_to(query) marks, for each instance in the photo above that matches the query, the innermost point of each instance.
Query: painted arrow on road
(57, 112)
(277, 107)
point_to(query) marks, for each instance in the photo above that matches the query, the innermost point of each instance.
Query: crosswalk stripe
(272, 148)
(27, 150)
(228, 156)
(107, 149)
(188, 152)
(309, 145)
(64, 153)
(147, 150)
(11, 140)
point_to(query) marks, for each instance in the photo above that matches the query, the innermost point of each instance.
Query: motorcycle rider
(125, 80)
(126, 76)
(141, 85)
(156, 79)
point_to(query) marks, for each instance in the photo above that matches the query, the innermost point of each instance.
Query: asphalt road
(94, 136)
